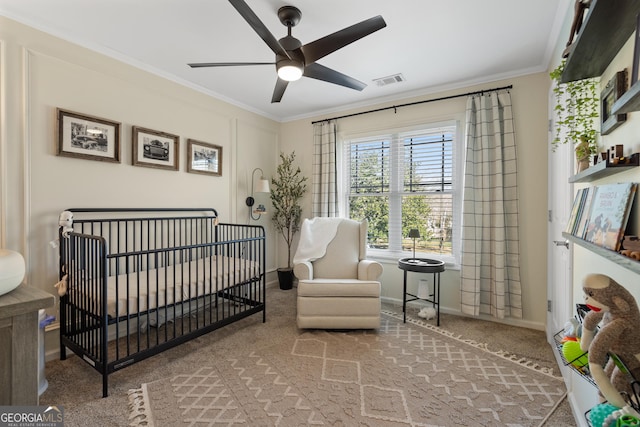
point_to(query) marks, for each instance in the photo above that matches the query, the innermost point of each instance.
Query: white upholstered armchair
(338, 288)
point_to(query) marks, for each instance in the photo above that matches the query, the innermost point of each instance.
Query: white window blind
(402, 181)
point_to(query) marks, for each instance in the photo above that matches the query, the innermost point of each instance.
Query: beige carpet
(401, 375)
(77, 387)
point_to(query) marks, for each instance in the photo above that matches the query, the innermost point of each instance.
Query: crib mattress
(140, 291)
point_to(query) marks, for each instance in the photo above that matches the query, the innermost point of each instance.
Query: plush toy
(62, 285)
(427, 313)
(615, 309)
(66, 221)
(572, 330)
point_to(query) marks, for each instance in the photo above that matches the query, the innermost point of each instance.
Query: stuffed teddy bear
(615, 309)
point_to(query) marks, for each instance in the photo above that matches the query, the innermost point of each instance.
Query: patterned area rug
(409, 374)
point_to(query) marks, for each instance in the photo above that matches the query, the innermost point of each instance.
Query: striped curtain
(325, 185)
(490, 273)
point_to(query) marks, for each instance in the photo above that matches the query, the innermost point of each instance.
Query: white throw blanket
(315, 236)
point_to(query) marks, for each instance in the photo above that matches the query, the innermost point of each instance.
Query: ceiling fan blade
(257, 25)
(320, 72)
(281, 86)
(325, 45)
(227, 64)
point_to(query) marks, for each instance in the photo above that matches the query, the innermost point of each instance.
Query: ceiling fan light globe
(289, 71)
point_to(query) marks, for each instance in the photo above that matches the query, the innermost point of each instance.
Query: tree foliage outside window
(401, 182)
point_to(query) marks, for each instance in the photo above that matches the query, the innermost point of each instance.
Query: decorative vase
(583, 164)
(583, 155)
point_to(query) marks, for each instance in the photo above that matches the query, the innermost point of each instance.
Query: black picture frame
(609, 95)
(87, 137)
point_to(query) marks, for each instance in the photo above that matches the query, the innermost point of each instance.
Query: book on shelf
(608, 214)
(575, 212)
(581, 227)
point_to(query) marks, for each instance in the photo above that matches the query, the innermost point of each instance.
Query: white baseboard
(53, 355)
(449, 310)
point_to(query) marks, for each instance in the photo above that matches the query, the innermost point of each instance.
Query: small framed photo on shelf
(204, 158)
(87, 137)
(155, 149)
(636, 54)
(614, 89)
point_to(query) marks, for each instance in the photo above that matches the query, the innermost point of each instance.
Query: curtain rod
(394, 107)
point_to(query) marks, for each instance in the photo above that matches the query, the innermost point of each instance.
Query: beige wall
(39, 73)
(529, 95)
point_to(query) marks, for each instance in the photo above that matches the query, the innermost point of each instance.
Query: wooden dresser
(19, 344)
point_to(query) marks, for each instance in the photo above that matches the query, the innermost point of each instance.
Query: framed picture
(204, 158)
(155, 149)
(612, 91)
(636, 54)
(87, 137)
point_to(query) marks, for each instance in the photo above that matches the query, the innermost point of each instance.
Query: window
(405, 180)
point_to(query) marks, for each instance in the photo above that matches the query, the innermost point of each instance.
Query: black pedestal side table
(422, 265)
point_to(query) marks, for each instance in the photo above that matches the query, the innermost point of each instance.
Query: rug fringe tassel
(482, 346)
(139, 411)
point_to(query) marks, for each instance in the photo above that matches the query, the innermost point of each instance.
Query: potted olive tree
(288, 187)
(576, 110)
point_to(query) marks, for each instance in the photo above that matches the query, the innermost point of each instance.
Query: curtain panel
(490, 271)
(324, 184)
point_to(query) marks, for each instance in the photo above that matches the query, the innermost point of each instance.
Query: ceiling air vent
(383, 81)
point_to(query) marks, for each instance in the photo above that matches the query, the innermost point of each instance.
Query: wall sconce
(414, 234)
(262, 186)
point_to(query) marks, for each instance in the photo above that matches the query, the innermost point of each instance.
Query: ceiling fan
(294, 60)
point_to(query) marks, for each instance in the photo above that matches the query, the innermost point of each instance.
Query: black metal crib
(140, 281)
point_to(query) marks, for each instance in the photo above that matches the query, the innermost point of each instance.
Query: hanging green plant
(576, 110)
